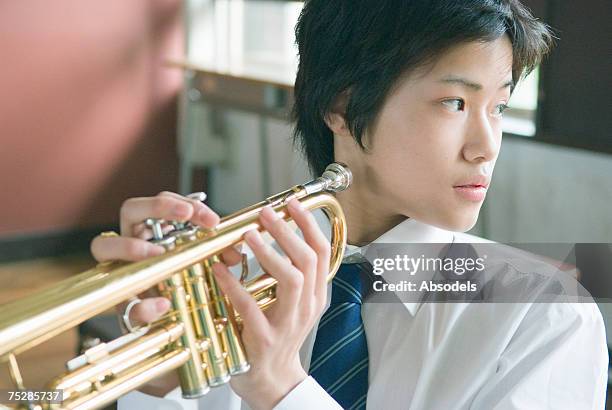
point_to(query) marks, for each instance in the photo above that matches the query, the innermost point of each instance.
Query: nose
(483, 138)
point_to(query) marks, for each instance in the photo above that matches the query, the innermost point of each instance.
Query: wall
(240, 183)
(87, 109)
(542, 192)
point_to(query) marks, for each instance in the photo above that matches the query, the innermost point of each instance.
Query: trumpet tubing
(200, 339)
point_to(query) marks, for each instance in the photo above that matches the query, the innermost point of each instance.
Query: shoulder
(560, 327)
(575, 315)
(569, 332)
(563, 330)
(555, 356)
(513, 274)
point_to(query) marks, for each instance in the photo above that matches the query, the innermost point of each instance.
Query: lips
(476, 181)
(471, 192)
(471, 186)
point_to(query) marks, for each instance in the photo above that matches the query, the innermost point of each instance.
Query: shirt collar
(408, 231)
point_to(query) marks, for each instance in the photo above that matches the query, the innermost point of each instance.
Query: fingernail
(269, 215)
(155, 250)
(206, 214)
(253, 238)
(202, 214)
(162, 305)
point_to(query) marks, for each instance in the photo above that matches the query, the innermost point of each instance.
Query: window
(564, 102)
(575, 82)
(520, 117)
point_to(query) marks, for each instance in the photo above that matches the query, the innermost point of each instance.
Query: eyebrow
(452, 79)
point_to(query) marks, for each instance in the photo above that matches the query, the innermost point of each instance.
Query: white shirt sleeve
(218, 398)
(556, 359)
(308, 395)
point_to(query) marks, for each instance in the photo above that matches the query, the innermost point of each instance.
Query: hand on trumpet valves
(272, 339)
(133, 244)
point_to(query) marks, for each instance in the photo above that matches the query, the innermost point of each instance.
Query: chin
(458, 221)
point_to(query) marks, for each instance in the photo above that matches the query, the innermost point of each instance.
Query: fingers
(148, 310)
(317, 241)
(168, 206)
(302, 256)
(202, 215)
(243, 302)
(231, 256)
(122, 248)
(302, 283)
(311, 255)
(135, 210)
(290, 279)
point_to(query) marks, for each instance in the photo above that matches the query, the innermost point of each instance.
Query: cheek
(413, 175)
(412, 158)
(417, 149)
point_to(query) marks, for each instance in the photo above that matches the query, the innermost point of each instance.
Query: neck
(365, 221)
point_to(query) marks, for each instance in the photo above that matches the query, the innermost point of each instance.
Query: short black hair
(365, 46)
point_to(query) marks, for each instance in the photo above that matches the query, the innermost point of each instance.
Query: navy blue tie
(340, 354)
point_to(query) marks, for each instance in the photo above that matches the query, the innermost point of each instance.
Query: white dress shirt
(454, 355)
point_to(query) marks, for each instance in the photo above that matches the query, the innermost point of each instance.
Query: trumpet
(200, 339)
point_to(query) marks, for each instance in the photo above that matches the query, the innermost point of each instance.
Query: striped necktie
(340, 354)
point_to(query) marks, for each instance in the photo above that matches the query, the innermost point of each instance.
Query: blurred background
(102, 101)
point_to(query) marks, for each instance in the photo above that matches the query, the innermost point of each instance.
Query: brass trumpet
(201, 337)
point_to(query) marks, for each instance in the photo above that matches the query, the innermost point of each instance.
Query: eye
(455, 104)
(499, 109)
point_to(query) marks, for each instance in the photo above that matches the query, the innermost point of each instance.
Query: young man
(410, 95)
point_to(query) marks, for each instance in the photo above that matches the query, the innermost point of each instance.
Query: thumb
(149, 310)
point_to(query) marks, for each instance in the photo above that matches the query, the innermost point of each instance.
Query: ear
(335, 118)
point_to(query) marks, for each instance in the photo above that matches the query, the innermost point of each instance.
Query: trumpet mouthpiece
(336, 177)
(339, 175)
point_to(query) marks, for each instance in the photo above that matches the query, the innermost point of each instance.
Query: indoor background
(102, 101)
